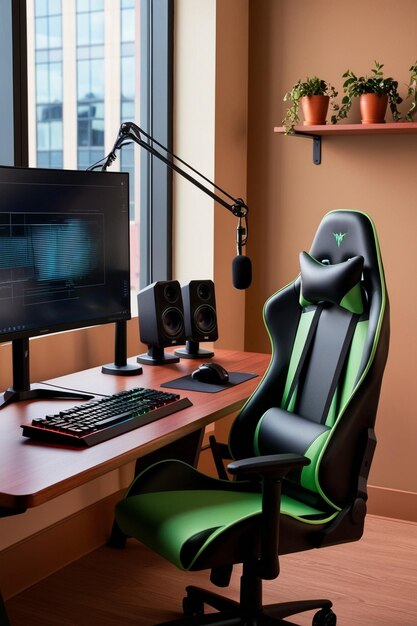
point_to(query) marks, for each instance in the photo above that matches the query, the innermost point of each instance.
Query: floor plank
(372, 583)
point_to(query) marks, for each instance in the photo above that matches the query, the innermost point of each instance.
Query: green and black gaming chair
(302, 445)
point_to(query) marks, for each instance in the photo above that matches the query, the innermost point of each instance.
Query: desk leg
(186, 449)
(4, 620)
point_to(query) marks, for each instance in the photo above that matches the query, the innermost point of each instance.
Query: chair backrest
(329, 331)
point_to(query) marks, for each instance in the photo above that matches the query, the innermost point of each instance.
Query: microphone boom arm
(129, 131)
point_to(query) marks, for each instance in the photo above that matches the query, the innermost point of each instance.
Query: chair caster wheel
(192, 608)
(325, 617)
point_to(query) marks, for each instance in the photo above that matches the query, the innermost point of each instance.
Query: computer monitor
(64, 258)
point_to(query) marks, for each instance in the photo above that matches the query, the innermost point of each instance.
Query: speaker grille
(172, 322)
(205, 319)
(172, 293)
(205, 290)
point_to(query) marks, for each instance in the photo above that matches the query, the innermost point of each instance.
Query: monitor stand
(22, 389)
(121, 367)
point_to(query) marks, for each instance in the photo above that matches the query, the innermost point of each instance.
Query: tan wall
(194, 123)
(288, 195)
(210, 133)
(231, 159)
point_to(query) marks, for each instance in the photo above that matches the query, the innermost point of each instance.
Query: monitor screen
(64, 250)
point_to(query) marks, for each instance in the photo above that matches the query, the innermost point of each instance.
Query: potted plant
(313, 95)
(374, 92)
(412, 93)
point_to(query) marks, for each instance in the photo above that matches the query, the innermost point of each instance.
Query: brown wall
(288, 195)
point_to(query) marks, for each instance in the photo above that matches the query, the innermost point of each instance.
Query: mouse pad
(189, 384)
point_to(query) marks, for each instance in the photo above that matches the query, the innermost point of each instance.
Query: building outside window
(83, 60)
(48, 83)
(91, 81)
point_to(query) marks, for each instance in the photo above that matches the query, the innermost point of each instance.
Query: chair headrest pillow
(339, 284)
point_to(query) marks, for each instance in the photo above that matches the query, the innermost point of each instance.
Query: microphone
(241, 271)
(241, 264)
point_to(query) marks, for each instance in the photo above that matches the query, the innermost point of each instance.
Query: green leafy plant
(412, 93)
(355, 86)
(310, 87)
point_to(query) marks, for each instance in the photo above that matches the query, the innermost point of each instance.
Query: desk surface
(32, 473)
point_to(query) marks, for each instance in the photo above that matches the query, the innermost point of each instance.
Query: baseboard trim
(394, 503)
(40, 555)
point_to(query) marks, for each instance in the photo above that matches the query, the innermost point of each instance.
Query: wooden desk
(32, 473)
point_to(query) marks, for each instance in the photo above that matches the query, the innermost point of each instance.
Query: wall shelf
(315, 133)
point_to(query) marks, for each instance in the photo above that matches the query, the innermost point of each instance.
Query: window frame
(156, 106)
(20, 91)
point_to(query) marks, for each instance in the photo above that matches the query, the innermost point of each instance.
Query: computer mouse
(212, 373)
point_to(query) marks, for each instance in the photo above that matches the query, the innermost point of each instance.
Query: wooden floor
(372, 583)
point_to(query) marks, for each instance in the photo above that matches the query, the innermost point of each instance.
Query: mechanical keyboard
(101, 419)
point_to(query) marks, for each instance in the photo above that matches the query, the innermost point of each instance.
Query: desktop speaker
(200, 317)
(161, 320)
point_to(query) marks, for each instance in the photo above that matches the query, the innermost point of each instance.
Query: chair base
(249, 612)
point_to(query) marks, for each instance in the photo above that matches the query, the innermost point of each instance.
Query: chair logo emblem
(339, 237)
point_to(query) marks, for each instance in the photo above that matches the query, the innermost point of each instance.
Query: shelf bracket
(316, 145)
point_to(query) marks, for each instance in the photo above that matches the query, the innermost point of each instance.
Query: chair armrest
(273, 465)
(272, 469)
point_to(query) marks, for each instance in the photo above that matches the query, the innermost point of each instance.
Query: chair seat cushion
(166, 520)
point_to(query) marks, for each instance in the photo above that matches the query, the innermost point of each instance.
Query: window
(82, 61)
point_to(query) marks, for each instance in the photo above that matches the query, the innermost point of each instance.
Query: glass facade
(48, 83)
(90, 82)
(75, 50)
(82, 60)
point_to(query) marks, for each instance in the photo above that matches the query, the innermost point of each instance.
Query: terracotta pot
(373, 108)
(314, 109)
